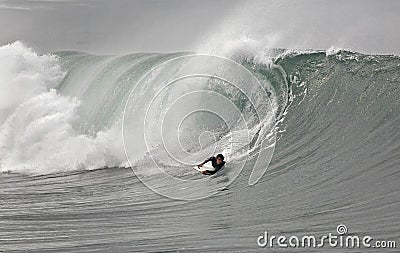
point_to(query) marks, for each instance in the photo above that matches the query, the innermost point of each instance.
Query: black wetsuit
(214, 163)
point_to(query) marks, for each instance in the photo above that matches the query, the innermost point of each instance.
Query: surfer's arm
(206, 161)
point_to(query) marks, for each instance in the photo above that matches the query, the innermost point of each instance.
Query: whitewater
(96, 150)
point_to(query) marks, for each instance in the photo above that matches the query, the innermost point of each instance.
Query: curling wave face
(64, 112)
(69, 113)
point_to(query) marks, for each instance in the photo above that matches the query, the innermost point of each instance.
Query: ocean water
(96, 150)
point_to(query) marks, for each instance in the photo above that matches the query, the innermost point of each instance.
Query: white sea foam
(39, 128)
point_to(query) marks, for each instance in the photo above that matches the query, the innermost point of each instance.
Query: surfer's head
(220, 158)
